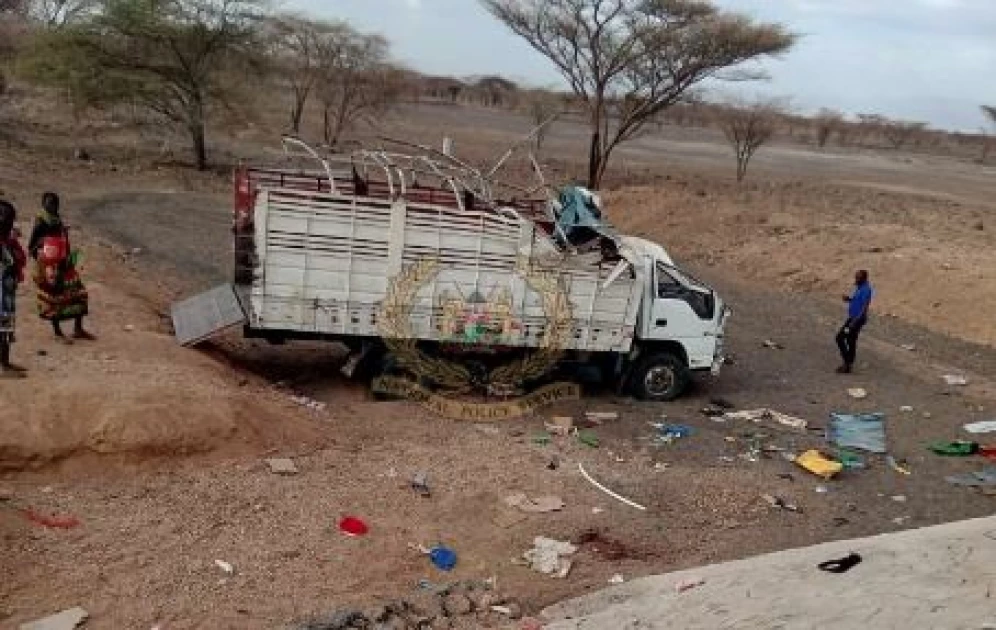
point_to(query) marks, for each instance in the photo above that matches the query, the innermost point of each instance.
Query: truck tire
(660, 377)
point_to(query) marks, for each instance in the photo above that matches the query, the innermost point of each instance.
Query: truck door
(683, 313)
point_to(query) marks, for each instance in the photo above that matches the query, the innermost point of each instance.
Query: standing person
(858, 304)
(61, 294)
(12, 261)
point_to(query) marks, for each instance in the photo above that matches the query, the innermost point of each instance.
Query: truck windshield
(683, 277)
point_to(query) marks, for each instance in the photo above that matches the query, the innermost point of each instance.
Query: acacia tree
(357, 84)
(180, 59)
(748, 126)
(543, 106)
(987, 140)
(296, 47)
(899, 132)
(628, 60)
(828, 122)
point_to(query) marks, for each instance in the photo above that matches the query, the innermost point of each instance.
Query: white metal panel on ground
(325, 263)
(198, 318)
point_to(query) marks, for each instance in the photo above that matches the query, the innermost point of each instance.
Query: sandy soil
(94, 432)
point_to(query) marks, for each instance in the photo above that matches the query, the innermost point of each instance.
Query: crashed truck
(317, 250)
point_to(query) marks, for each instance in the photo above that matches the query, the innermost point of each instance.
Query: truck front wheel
(660, 378)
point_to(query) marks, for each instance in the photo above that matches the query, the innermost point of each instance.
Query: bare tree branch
(748, 127)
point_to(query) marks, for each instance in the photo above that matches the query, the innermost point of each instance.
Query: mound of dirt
(132, 392)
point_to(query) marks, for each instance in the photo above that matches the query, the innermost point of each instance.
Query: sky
(923, 60)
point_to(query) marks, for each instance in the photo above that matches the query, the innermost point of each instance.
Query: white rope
(612, 494)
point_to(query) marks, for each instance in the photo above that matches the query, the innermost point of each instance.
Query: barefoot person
(857, 315)
(12, 261)
(61, 294)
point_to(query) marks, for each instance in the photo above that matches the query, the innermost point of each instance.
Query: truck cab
(680, 328)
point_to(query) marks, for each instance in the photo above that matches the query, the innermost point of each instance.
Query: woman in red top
(12, 261)
(61, 293)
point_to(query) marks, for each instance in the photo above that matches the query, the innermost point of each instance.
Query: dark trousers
(847, 340)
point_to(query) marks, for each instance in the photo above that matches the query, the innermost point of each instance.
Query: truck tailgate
(207, 314)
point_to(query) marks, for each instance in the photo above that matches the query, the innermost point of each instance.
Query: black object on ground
(841, 565)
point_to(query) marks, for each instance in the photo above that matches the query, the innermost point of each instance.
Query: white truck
(317, 253)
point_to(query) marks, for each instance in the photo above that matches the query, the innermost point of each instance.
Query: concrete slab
(940, 577)
(65, 620)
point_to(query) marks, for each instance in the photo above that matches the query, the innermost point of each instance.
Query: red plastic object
(53, 522)
(989, 452)
(352, 526)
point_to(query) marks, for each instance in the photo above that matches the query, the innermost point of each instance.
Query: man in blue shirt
(857, 316)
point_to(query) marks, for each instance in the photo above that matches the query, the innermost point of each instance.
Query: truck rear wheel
(660, 377)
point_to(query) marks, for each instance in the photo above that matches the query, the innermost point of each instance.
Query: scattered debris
(898, 498)
(900, 466)
(129, 328)
(65, 620)
(597, 510)
(908, 347)
(906, 409)
(840, 565)
(900, 520)
(601, 416)
(617, 579)
(687, 585)
(542, 439)
(661, 466)
(753, 453)
(443, 558)
(225, 567)
(52, 522)
(668, 433)
(560, 425)
(588, 438)
(857, 393)
(816, 463)
(861, 431)
(786, 476)
(772, 345)
(420, 484)
(850, 460)
(549, 556)
(821, 489)
(722, 403)
(780, 503)
(983, 478)
(988, 426)
(758, 415)
(310, 403)
(282, 466)
(716, 413)
(539, 505)
(955, 380)
(957, 448)
(352, 526)
(607, 491)
(488, 429)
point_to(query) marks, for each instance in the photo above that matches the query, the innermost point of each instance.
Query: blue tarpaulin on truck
(579, 218)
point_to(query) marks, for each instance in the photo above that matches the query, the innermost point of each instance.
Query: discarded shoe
(841, 565)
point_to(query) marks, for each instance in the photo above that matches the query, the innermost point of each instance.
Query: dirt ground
(157, 450)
